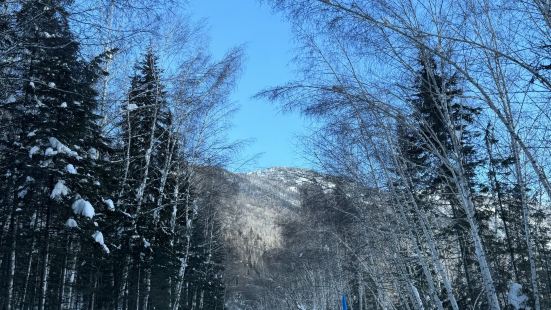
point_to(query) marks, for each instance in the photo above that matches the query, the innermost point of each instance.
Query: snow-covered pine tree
(144, 126)
(147, 156)
(158, 197)
(58, 161)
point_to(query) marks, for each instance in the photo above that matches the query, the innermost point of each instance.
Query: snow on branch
(84, 208)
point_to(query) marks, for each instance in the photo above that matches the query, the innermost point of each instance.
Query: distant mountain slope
(251, 222)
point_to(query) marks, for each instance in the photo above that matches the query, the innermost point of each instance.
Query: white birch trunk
(72, 275)
(184, 259)
(63, 277)
(526, 226)
(147, 288)
(94, 288)
(435, 257)
(127, 159)
(182, 269)
(480, 253)
(454, 162)
(171, 145)
(138, 284)
(427, 233)
(107, 48)
(45, 264)
(145, 177)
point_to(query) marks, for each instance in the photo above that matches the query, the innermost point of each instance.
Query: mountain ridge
(252, 222)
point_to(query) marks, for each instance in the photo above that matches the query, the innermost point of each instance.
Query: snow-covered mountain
(251, 222)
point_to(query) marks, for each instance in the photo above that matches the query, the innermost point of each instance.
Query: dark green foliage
(55, 155)
(146, 127)
(444, 134)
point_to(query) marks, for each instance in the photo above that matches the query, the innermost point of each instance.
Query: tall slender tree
(437, 105)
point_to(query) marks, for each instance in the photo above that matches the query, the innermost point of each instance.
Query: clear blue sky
(269, 48)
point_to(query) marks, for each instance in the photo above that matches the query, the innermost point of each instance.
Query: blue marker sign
(344, 305)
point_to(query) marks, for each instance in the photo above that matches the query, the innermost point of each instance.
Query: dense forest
(102, 205)
(430, 149)
(440, 110)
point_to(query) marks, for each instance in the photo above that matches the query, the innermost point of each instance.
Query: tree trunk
(148, 154)
(487, 279)
(63, 275)
(504, 219)
(427, 234)
(45, 262)
(462, 244)
(12, 257)
(147, 288)
(71, 281)
(94, 289)
(525, 220)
